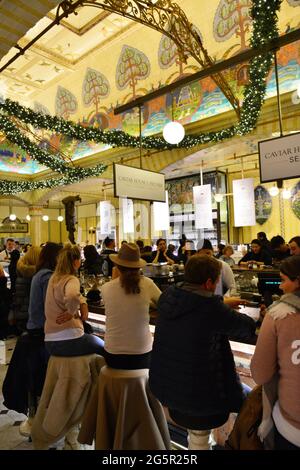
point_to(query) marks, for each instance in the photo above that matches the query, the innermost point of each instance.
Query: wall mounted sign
(243, 202)
(263, 204)
(203, 206)
(279, 158)
(134, 183)
(14, 227)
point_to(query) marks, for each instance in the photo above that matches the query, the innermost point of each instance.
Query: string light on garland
(9, 187)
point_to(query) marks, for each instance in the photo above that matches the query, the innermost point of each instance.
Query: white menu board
(243, 202)
(203, 207)
(105, 218)
(127, 211)
(161, 214)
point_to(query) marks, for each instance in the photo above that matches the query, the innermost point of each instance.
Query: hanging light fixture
(45, 218)
(286, 193)
(60, 218)
(274, 191)
(173, 132)
(12, 217)
(28, 217)
(219, 197)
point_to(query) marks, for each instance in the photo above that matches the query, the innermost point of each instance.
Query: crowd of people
(191, 366)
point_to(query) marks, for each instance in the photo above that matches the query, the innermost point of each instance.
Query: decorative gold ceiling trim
(45, 52)
(80, 31)
(22, 81)
(70, 64)
(102, 44)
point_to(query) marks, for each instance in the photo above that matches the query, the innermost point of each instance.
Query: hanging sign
(279, 158)
(135, 183)
(203, 207)
(243, 202)
(127, 211)
(105, 218)
(161, 214)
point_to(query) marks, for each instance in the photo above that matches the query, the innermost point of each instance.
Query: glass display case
(182, 214)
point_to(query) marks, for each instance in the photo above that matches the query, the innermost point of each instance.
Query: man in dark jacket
(192, 368)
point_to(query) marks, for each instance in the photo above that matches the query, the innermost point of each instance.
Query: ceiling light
(28, 217)
(274, 191)
(12, 217)
(45, 218)
(60, 218)
(218, 197)
(286, 193)
(173, 132)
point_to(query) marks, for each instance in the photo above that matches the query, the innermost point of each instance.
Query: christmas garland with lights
(8, 187)
(264, 16)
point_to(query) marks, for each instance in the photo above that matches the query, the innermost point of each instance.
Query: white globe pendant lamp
(218, 197)
(173, 132)
(286, 193)
(274, 191)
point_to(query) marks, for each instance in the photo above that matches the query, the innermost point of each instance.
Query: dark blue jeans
(86, 344)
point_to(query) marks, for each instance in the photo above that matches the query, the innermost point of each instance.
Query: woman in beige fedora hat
(128, 341)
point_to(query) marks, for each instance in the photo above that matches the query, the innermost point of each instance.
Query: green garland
(8, 187)
(264, 15)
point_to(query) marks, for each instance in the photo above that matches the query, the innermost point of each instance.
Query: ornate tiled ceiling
(93, 44)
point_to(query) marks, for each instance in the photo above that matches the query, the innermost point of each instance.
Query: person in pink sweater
(277, 353)
(66, 309)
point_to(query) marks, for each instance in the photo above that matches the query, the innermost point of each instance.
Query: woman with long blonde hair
(66, 309)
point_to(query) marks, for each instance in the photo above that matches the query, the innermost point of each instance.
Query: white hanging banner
(105, 218)
(203, 206)
(161, 214)
(127, 212)
(243, 202)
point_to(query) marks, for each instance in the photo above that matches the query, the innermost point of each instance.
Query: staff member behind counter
(161, 256)
(257, 255)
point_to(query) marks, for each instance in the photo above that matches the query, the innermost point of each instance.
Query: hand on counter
(235, 302)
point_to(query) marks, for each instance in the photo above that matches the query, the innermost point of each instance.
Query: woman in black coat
(93, 261)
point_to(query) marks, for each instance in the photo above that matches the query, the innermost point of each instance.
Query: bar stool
(68, 386)
(123, 414)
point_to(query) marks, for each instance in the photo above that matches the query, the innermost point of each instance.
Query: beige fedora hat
(128, 256)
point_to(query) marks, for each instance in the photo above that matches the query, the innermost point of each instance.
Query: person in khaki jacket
(277, 356)
(66, 309)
